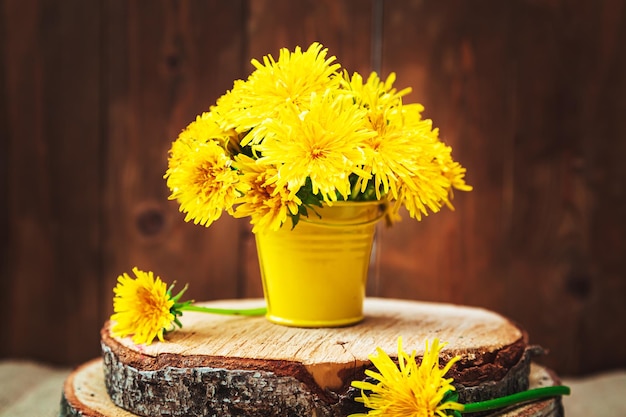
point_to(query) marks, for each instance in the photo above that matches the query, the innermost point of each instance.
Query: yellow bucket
(315, 274)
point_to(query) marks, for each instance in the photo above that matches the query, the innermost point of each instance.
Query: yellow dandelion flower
(233, 109)
(408, 389)
(323, 144)
(392, 155)
(424, 177)
(430, 187)
(145, 308)
(385, 151)
(209, 126)
(141, 307)
(375, 95)
(201, 180)
(268, 205)
(274, 84)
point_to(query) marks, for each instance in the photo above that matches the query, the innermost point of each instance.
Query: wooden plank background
(530, 94)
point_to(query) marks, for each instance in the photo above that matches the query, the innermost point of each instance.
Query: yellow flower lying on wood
(145, 308)
(412, 390)
(408, 390)
(142, 307)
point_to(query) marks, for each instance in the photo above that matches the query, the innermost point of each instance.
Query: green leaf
(178, 323)
(450, 395)
(180, 294)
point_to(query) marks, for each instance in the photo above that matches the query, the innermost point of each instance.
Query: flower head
(408, 389)
(323, 144)
(200, 176)
(268, 204)
(290, 80)
(142, 307)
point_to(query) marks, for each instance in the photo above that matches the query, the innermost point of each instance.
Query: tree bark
(85, 395)
(232, 365)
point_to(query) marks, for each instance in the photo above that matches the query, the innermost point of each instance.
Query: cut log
(233, 365)
(85, 395)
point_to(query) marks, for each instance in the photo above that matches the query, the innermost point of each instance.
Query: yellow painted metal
(315, 274)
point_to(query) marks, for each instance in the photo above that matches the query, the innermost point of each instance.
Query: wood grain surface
(234, 365)
(326, 352)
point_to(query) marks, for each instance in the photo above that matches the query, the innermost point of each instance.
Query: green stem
(259, 311)
(530, 395)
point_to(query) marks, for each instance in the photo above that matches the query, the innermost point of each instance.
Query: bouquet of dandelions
(301, 133)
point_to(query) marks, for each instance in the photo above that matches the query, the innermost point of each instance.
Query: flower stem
(530, 395)
(259, 311)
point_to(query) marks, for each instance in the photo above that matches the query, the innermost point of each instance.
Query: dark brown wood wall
(530, 94)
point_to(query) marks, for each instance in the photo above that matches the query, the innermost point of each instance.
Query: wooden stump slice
(85, 395)
(239, 366)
